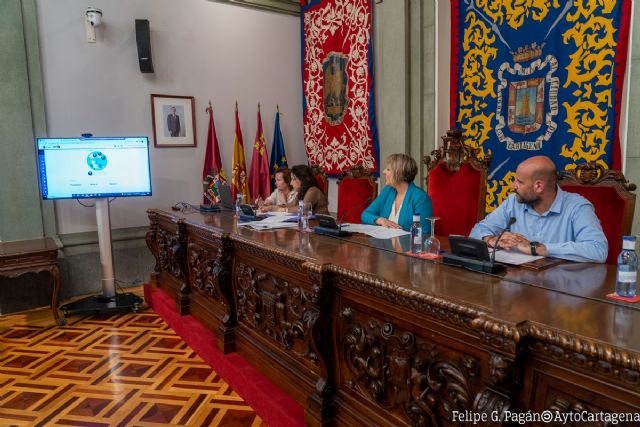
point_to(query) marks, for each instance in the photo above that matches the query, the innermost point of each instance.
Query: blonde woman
(400, 198)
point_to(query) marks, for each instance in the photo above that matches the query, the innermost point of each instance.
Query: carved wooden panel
(410, 376)
(576, 400)
(273, 307)
(210, 272)
(167, 241)
(209, 269)
(608, 370)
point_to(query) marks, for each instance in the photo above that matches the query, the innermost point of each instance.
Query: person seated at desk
(548, 221)
(284, 197)
(400, 198)
(306, 186)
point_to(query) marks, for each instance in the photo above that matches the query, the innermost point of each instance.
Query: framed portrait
(174, 124)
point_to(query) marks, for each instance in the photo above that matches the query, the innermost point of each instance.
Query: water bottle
(416, 235)
(238, 203)
(302, 218)
(627, 268)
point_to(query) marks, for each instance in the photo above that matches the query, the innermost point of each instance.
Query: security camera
(94, 16)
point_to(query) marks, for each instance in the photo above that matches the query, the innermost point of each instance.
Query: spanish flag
(239, 182)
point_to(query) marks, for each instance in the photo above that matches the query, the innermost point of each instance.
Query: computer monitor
(71, 168)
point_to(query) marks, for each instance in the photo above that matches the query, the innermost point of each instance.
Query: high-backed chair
(321, 178)
(356, 190)
(610, 194)
(457, 184)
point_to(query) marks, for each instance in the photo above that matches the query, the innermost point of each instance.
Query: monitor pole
(103, 220)
(110, 300)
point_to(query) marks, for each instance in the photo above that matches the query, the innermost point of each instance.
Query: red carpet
(270, 403)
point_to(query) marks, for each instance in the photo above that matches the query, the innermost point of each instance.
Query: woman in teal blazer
(400, 198)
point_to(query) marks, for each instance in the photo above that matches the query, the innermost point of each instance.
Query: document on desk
(374, 231)
(515, 257)
(268, 224)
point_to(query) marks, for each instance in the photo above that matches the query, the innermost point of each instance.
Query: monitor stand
(109, 300)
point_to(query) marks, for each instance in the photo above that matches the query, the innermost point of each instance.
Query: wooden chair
(610, 193)
(321, 178)
(356, 190)
(457, 184)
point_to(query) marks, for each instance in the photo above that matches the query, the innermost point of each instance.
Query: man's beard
(531, 201)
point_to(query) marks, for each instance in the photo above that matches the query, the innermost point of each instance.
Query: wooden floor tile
(109, 370)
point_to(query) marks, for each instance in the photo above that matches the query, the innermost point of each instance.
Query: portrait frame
(173, 120)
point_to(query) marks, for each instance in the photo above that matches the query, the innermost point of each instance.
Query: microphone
(331, 227)
(353, 208)
(512, 221)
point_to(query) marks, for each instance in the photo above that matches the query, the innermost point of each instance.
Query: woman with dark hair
(284, 197)
(305, 184)
(400, 198)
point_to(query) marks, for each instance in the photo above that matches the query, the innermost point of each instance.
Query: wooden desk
(363, 335)
(33, 256)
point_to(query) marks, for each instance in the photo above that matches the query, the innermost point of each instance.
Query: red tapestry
(339, 118)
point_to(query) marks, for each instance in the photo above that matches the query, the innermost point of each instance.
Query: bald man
(548, 221)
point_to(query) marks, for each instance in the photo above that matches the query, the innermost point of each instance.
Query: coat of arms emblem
(529, 88)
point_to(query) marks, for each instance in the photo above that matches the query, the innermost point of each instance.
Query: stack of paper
(375, 231)
(514, 257)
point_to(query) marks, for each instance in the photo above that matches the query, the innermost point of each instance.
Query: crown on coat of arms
(527, 53)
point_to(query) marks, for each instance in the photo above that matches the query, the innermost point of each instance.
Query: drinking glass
(432, 244)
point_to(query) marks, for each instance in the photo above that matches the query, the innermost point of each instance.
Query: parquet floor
(109, 370)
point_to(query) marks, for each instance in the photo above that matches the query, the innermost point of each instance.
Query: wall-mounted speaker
(143, 40)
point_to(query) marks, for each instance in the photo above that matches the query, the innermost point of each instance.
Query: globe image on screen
(97, 161)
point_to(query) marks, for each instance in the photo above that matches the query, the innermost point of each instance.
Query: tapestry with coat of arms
(538, 78)
(338, 111)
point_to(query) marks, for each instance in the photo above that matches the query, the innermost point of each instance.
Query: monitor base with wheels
(101, 304)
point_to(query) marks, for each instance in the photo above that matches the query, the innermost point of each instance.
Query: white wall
(200, 48)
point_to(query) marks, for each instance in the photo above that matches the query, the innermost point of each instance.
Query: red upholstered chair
(356, 190)
(457, 184)
(612, 199)
(321, 178)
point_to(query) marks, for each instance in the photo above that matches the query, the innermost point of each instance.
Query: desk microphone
(512, 220)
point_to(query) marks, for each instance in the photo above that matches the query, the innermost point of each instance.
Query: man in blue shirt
(548, 221)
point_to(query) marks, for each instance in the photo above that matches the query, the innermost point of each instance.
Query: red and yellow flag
(239, 182)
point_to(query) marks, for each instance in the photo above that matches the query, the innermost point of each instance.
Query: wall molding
(289, 7)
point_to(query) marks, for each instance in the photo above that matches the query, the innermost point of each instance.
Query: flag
(212, 172)
(239, 183)
(259, 177)
(278, 158)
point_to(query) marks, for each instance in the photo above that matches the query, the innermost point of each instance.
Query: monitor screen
(72, 168)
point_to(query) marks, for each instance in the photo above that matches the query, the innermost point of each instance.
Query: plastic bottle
(238, 203)
(626, 279)
(302, 217)
(416, 235)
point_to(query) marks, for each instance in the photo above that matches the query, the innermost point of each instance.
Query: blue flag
(278, 158)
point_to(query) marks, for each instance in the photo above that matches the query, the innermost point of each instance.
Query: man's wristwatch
(534, 247)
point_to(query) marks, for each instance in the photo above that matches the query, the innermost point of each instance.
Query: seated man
(548, 221)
